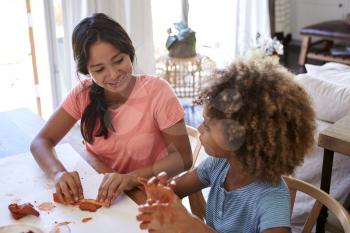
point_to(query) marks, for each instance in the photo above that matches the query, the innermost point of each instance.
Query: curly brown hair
(270, 114)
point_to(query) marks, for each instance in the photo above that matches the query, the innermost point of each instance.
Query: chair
(195, 143)
(321, 199)
(196, 200)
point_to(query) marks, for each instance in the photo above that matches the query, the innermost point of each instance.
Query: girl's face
(213, 138)
(109, 68)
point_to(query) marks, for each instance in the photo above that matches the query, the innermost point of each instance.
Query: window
(213, 22)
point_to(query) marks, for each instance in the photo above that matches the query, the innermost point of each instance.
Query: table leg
(304, 49)
(347, 203)
(325, 186)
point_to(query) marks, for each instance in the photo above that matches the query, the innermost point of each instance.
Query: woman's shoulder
(80, 90)
(151, 82)
(85, 83)
(82, 85)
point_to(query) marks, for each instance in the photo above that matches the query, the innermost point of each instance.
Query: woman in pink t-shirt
(133, 124)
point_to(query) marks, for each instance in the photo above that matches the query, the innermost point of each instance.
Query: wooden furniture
(185, 75)
(20, 126)
(321, 199)
(335, 138)
(196, 144)
(196, 200)
(328, 32)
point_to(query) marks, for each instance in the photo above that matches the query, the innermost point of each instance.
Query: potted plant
(181, 44)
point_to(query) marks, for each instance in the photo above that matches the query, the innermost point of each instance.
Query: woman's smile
(116, 82)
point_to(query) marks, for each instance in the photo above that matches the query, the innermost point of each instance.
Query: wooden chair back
(196, 144)
(196, 200)
(197, 203)
(321, 199)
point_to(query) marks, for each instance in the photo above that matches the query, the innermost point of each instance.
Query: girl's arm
(42, 148)
(278, 230)
(164, 211)
(188, 184)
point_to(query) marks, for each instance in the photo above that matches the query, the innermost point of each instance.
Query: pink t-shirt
(137, 141)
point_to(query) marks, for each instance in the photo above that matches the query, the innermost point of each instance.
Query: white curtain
(252, 16)
(226, 28)
(133, 15)
(282, 16)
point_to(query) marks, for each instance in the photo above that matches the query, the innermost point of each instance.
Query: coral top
(137, 140)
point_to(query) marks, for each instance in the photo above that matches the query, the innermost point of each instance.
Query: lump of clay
(89, 205)
(19, 211)
(84, 204)
(57, 198)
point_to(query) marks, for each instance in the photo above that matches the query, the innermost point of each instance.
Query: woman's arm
(179, 159)
(44, 153)
(179, 156)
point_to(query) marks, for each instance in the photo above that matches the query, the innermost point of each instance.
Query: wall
(308, 12)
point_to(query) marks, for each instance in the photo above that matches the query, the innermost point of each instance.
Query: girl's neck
(236, 178)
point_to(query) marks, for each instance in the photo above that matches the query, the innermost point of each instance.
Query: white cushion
(331, 100)
(332, 72)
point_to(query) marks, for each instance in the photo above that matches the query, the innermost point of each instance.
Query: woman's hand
(165, 217)
(68, 187)
(113, 184)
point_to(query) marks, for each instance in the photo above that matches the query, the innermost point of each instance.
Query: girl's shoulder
(274, 189)
(213, 164)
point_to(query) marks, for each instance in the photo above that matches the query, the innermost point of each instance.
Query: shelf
(329, 57)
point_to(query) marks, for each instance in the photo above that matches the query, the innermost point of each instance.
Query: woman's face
(109, 68)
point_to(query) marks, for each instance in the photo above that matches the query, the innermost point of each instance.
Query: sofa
(329, 88)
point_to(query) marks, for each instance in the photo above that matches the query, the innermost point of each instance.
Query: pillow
(331, 71)
(331, 100)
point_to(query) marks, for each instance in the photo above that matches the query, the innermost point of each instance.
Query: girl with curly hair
(258, 125)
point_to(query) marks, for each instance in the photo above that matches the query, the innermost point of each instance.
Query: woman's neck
(114, 100)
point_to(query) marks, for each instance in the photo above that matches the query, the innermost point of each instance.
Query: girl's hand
(158, 188)
(169, 217)
(113, 184)
(68, 187)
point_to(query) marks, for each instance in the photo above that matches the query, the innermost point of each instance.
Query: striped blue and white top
(250, 209)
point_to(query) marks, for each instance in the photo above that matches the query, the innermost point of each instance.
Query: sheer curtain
(225, 28)
(252, 17)
(133, 15)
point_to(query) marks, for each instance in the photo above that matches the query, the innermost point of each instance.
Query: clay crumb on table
(87, 219)
(46, 206)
